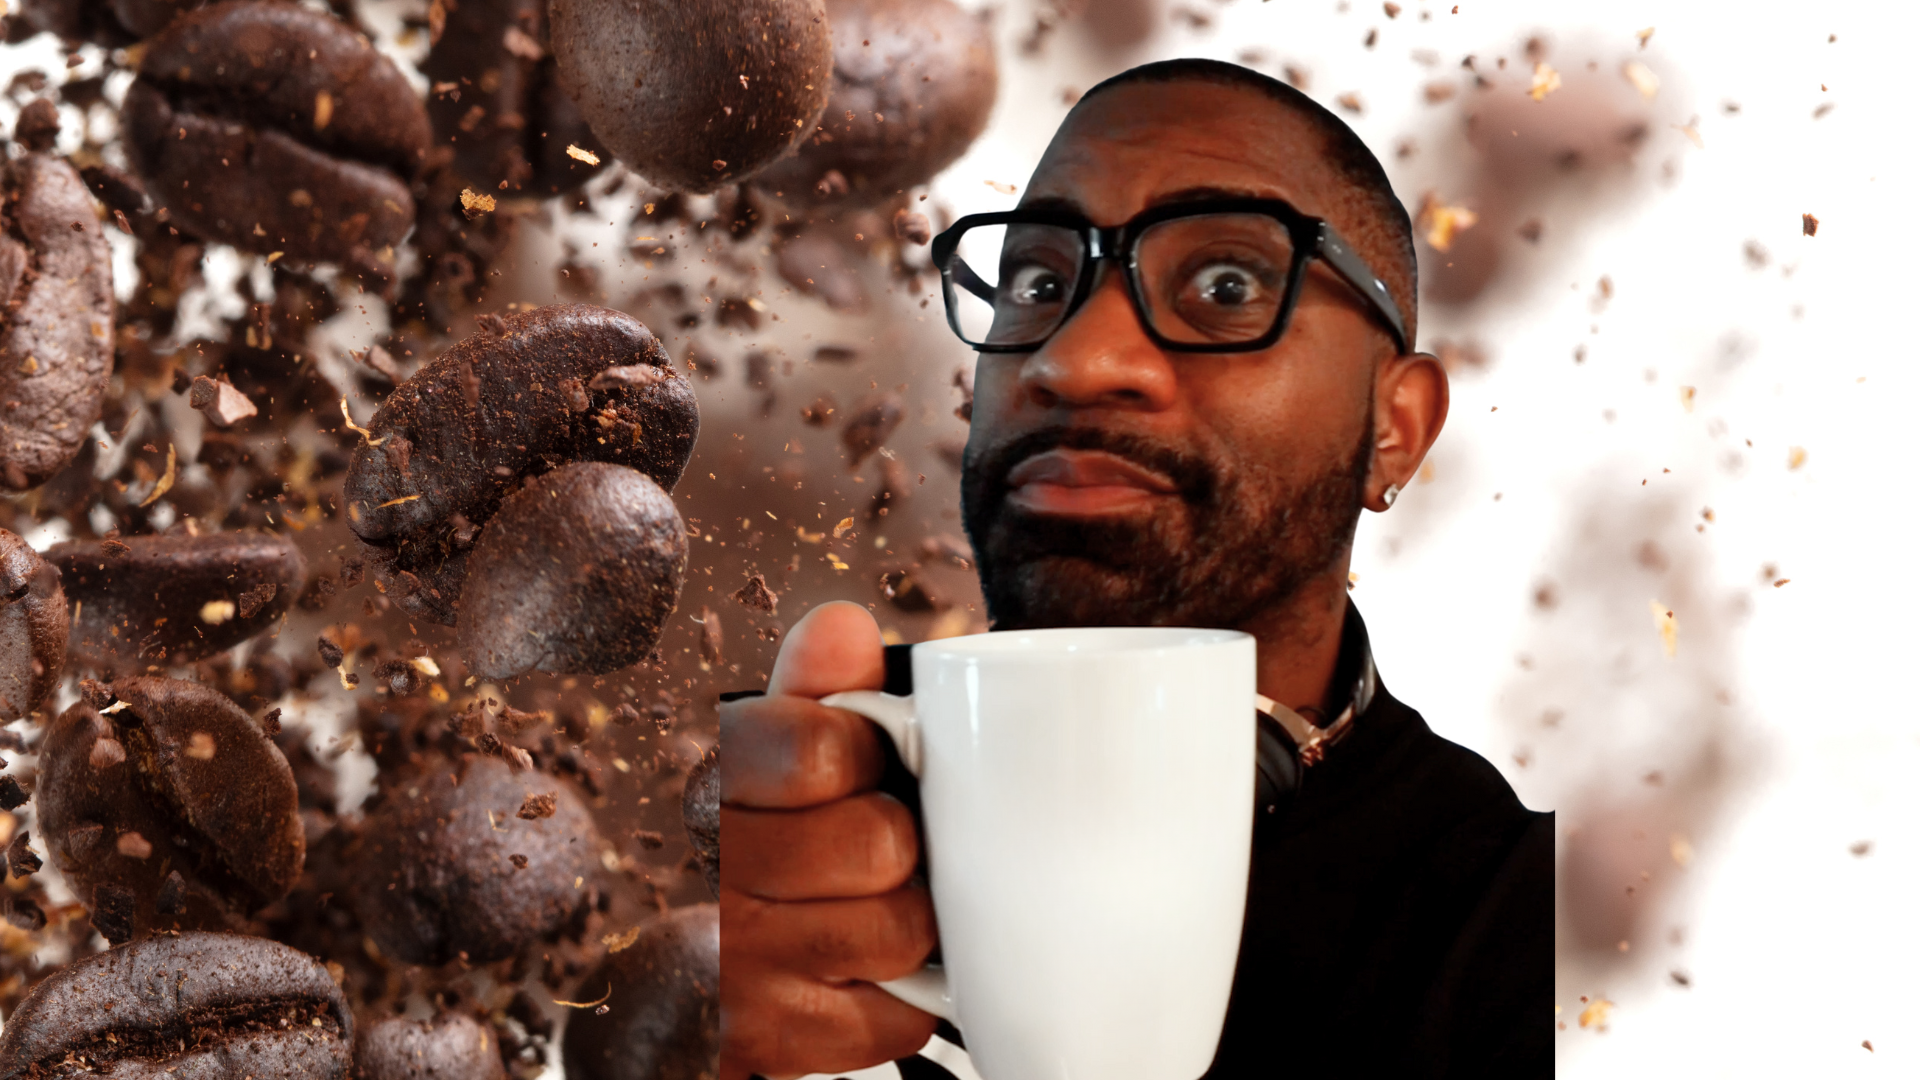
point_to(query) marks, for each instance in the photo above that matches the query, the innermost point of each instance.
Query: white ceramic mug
(1088, 804)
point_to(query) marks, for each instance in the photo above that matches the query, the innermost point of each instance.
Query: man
(1175, 422)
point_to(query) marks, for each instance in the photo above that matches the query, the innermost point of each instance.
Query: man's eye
(1226, 285)
(1033, 285)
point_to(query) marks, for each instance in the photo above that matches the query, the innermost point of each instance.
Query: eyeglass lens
(1214, 279)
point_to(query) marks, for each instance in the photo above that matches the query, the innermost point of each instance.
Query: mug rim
(1054, 643)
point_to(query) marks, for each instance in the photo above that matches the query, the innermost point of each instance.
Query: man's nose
(1101, 358)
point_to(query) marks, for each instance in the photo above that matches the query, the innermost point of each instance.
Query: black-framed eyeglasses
(1213, 276)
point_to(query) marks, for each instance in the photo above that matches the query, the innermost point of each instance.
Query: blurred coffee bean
(193, 1005)
(872, 421)
(178, 598)
(693, 94)
(272, 127)
(56, 318)
(33, 628)
(913, 84)
(448, 1047)
(576, 574)
(663, 1018)
(700, 808)
(449, 444)
(449, 869)
(171, 777)
(496, 100)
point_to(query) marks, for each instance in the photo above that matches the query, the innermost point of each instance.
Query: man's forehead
(1142, 145)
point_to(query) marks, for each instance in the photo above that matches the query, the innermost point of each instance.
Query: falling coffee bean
(576, 574)
(913, 84)
(662, 1020)
(497, 102)
(192, 1005)
(272, 127)
(700, 808)
(448, 1047)
(449, 444)
(872, 421)
(56, 317)
(171, 778)
(33, 628)
(437, 880)
(178, 598)
(693, 94)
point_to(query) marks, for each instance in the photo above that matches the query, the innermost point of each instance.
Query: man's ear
(1409, 408)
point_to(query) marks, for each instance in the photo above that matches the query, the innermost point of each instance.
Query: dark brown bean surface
(576, 574)
(448, 1047)
(438, 875)
(913, 84)
(663, 1018)
(190, 1007)
(700, 808)
(497, 101)
(272, 127)
(694, 94)
(56, 293)
(179, 780)
(145, 599)
(33, 628)
(463, 432)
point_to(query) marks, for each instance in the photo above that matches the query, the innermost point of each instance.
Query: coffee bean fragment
(433, 882)
(172, 899)
(448, 1047)
(872, 421)
(191, 775)
(38, 125)
(912, 227)
(56, 318)
(11, 795)
(700, 809)
(219, 402)
(464, 460)
(914, 82)
(21, 861)
(25, 914)
(649, 840)
(113, 909)
(33, 628)
(331, 654)
(272, 127)
(694, 94)
(662, 1021)
(536, 807)
(192, 1005)
(756, 595)
(577, 573)
(151, 603)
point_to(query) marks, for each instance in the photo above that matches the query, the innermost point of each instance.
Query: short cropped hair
(1385, 215)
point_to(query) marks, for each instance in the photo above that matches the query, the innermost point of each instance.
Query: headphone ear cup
(1277, 763)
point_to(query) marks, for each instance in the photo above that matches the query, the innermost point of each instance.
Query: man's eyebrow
(1203, 194)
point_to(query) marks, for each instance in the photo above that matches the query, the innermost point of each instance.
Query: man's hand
(815, 904)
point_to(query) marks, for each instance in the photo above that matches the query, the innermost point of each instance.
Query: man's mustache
(988, 470)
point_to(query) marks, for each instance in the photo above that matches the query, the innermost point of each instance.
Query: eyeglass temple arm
(964, 277)
(1356, 273)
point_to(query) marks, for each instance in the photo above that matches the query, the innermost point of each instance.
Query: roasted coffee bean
(576, 574)
(913, 85)
(272, 127)
(178, 598)
(208, 1006)
(449, 444)
(693, 94)
(173, 777)
(33, 628)
(497, 101)
(448, 1047)
(56, 318)
(663, 1018)
(439, 879)
(700, 809)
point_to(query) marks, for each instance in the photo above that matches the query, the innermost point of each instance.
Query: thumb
(835, 647)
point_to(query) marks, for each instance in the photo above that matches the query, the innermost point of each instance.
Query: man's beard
(1236, 539)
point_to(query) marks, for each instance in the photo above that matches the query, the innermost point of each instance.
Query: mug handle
(926, 989)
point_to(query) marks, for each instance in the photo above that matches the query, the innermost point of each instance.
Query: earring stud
(1392, 493)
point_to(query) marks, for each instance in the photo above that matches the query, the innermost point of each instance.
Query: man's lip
(1087, 469)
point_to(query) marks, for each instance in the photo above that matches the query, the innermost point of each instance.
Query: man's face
(1108, 482)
